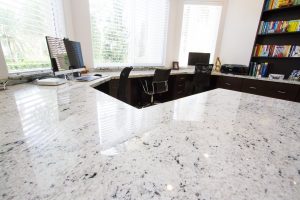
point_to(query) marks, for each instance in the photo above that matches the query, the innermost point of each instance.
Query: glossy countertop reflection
(74, 142)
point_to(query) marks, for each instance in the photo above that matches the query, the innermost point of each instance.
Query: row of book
(274, 4)
(258, 69)
(276, 51)
(279, 26)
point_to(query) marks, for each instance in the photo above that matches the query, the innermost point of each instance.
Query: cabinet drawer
(256, 87)
(283, 91)
(180, 79)
(271, 89)
(230, 83)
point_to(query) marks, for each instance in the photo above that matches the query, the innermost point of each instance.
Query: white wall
(3, 67)
(77, 17)
(174, 32)
(241, 22)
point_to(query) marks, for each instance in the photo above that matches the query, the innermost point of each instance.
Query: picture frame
(175, 65)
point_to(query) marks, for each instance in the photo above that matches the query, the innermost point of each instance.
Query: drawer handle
(254, 88)
(180, 85)
(228, 84)
(281, 92)
(182, 78)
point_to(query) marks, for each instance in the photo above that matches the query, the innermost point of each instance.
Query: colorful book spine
(279, 51)
(279, 26)
(295, 51)
(258, 69)
(274, 4)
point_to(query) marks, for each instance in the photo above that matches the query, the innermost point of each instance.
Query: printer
(234, 69)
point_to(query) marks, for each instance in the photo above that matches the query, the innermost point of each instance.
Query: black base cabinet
(277, 90)
(180, 86)
(230, 83)
(298, 97)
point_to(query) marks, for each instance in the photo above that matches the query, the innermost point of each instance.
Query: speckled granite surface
(74, 142)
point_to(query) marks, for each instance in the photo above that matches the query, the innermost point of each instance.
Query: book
(281, 51)
(265, 51)
(278, 26)
(258, 69)
(295, 51)
(293, 26)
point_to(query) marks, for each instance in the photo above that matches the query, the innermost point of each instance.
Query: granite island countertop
(74, 142)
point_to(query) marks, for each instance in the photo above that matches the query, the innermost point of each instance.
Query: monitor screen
(198, 58)
(74, 54)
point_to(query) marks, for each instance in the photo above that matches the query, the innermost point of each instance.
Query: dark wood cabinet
(256, 87)
(230, 83)
(283, 91)
(271, 89)
(178, 85)
(277, 90)
(298, 96)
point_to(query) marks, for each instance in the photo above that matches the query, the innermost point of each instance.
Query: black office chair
(201, 79)
(123, 89)
(159, 84)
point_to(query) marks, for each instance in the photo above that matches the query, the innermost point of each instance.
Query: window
(199, 30)
(129, 32)
(23, 27)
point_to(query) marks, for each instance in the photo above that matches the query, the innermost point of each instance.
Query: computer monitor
(198, 58)
(58, 54)
(74, 54)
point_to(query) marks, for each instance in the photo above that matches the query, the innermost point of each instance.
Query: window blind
(129, 32)
(199, 30)
(23, 27)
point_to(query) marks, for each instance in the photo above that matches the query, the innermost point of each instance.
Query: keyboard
(87, 78)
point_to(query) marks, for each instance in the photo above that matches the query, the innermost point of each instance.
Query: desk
(281, 89)
(73, 142)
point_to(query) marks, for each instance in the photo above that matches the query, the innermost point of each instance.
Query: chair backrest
(160, 80)
(202, 76)
(122, 89)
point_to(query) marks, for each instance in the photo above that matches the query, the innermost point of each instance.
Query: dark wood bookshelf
(278, 65)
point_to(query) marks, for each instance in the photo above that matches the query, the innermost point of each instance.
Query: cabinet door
(179, 86)
(230, 83)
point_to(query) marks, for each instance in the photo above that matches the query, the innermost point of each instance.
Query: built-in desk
(281, 89)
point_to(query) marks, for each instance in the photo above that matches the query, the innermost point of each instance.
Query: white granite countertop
(74, 142)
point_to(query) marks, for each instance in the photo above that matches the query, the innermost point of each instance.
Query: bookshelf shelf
(276, 58)
(278, 65)
(282, 9)
(283, 33)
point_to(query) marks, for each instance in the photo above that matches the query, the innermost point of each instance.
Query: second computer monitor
(74, 54)
(198, 58)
